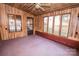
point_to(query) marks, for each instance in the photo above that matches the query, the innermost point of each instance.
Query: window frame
(8, 23)
(14, 17)
(52, 24)
(15, 23)
(68, 23)
(32, 21)
(47, 23)
(60, 25)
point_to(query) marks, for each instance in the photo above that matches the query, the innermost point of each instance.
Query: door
(29, 25)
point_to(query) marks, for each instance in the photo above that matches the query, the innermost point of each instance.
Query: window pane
(65, 24)
(18, 23)
(30, 27)
(56, 25)
(50, 24)
(45, 24)
(29, 24)
(11, 23)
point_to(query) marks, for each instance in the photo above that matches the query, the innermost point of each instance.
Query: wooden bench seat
(66, 41)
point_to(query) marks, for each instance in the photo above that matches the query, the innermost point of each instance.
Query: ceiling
(48, 7)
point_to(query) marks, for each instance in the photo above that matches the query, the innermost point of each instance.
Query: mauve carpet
(34, 46)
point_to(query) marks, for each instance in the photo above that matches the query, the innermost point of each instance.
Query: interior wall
(0, 23)
(38, 21)
(73, 21)
(5, 10)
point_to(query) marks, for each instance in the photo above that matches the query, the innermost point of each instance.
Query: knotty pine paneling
(73, 21)
(5, 10)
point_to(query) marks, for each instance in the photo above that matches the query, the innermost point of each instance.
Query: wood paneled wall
(73, 22)
(38, 21)
(5, 10)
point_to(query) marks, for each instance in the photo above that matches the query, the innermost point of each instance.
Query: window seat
(66, 41)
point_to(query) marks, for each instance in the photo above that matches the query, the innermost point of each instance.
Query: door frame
(32, 21)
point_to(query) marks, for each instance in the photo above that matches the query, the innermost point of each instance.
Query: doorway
(30, 25)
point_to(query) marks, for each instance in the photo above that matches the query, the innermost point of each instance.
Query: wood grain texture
(38, 19)
(30, 7)
(60, 39)
(5, 10)
(73, 19)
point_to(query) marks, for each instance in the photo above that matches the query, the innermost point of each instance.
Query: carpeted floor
(34, 46)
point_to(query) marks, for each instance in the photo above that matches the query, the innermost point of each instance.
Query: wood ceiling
(29, 7)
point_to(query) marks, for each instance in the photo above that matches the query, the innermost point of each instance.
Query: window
(14, 23)
(11, 23)
(29, 24)
(50, 24)
(65, 24)
(59, 25)
(18, 23)
(45, 24)
(56, 25)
